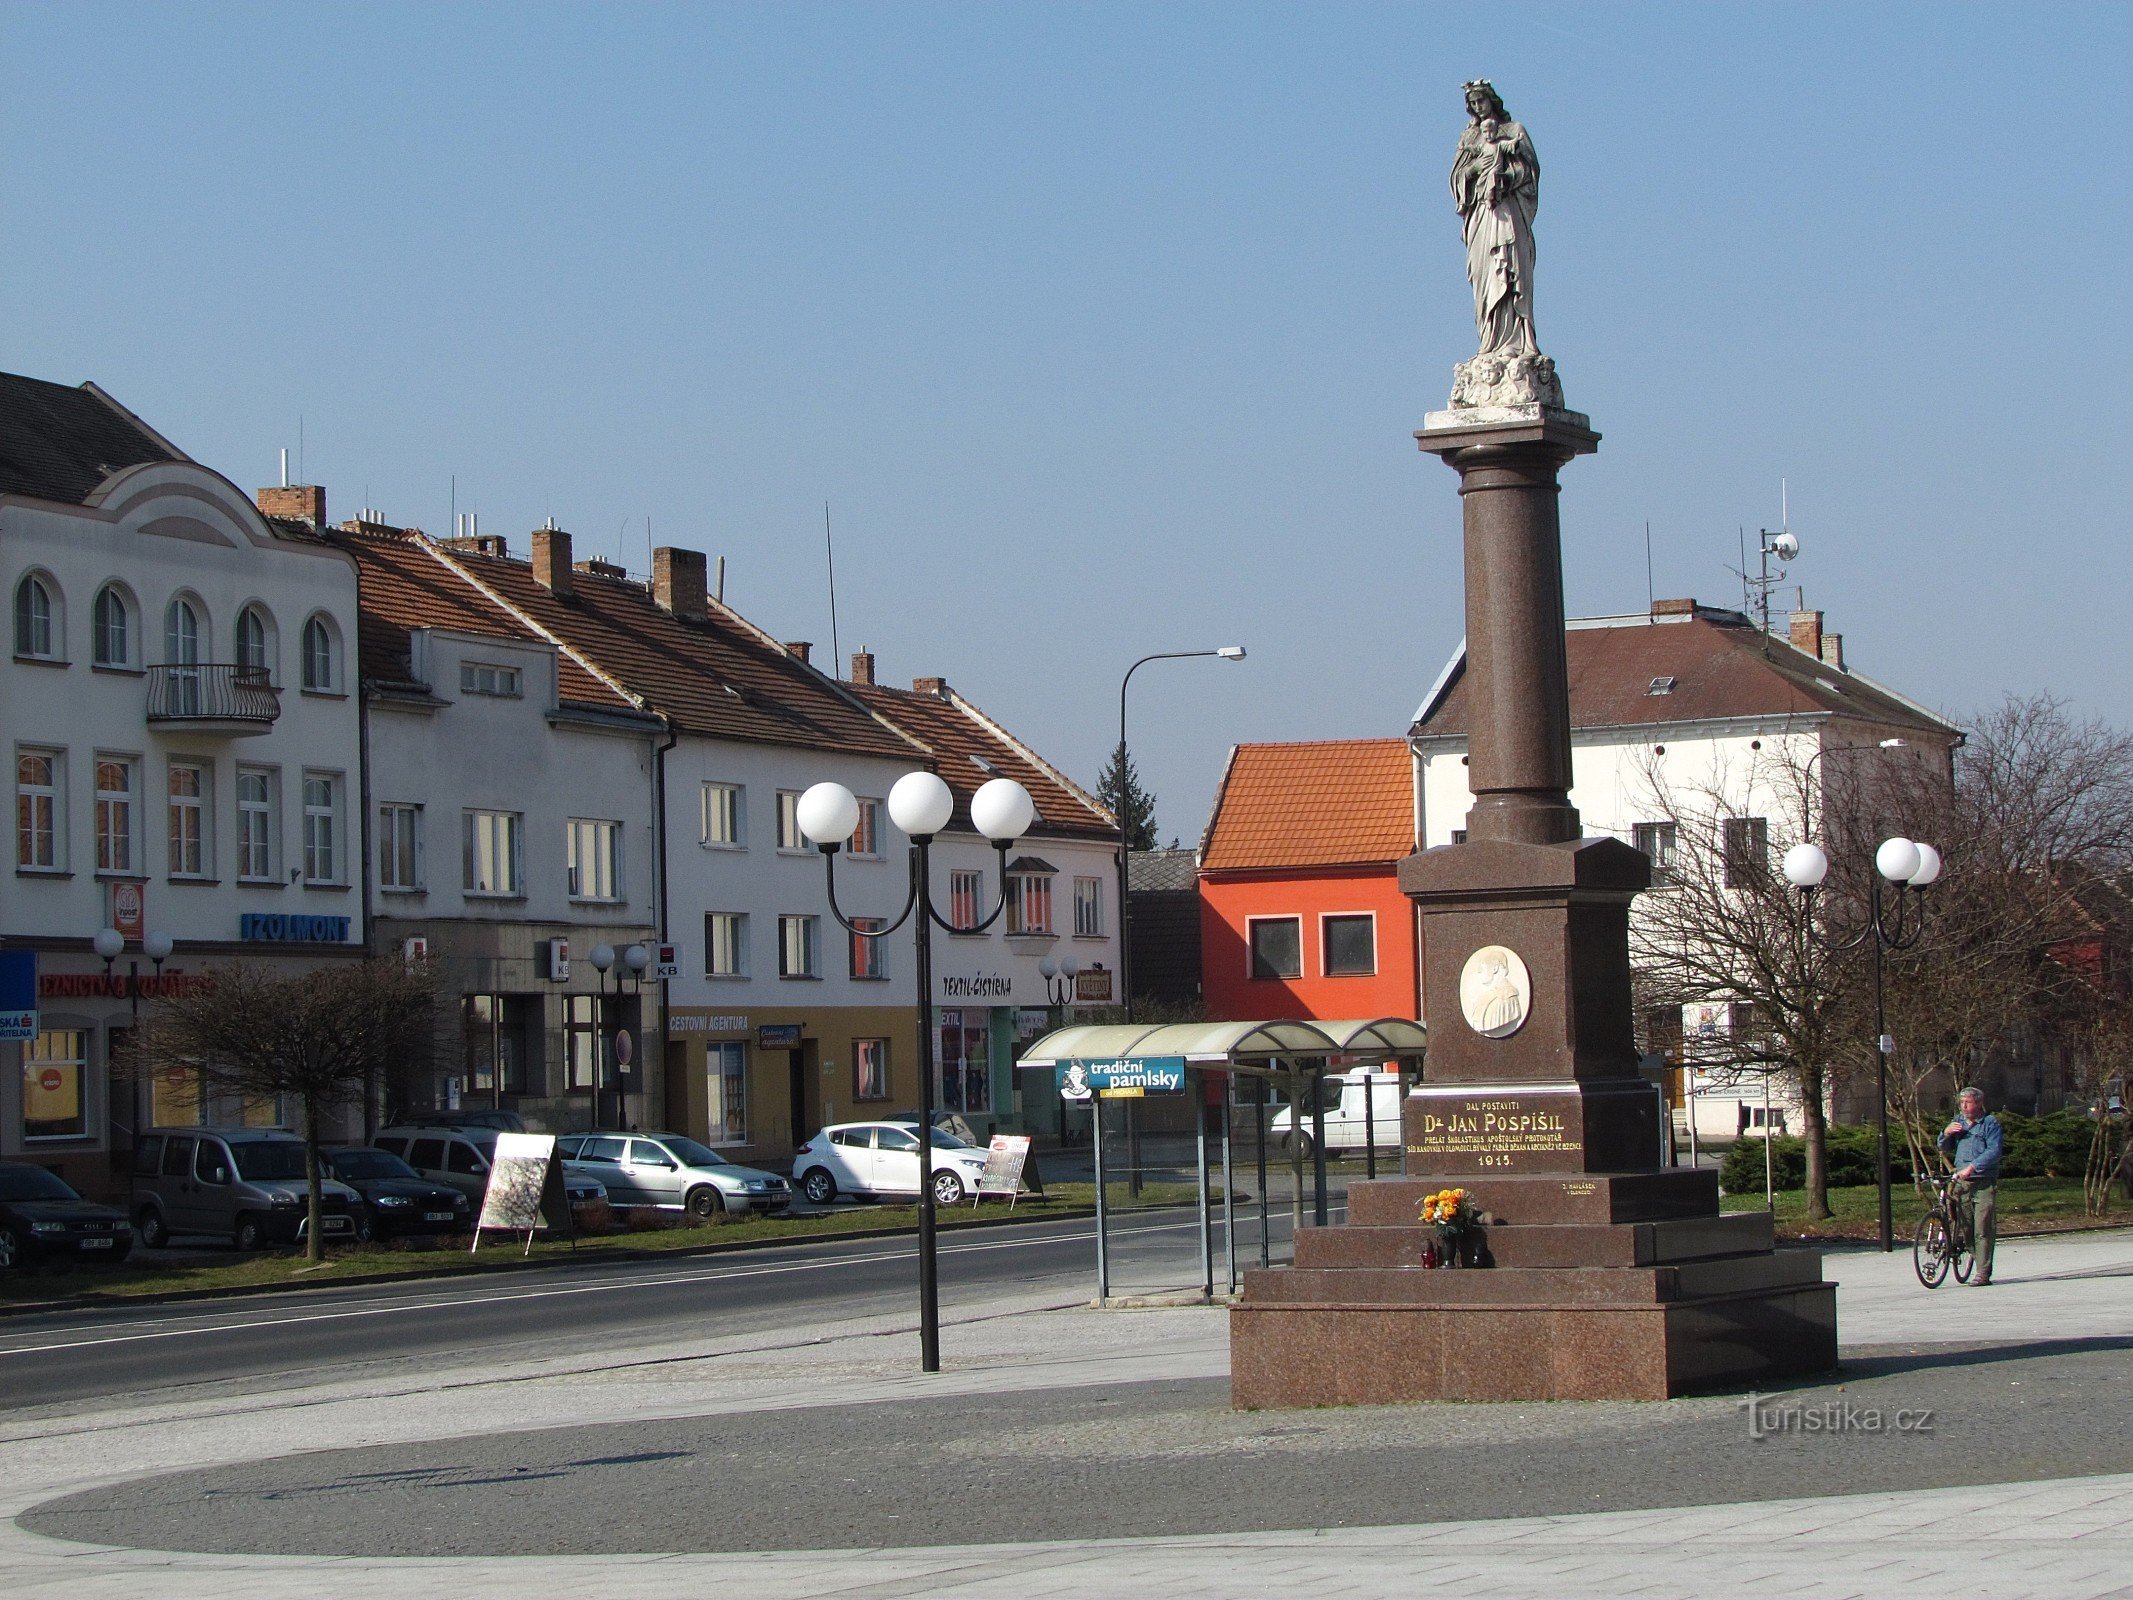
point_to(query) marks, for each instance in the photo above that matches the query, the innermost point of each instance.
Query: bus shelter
(1129, 1060)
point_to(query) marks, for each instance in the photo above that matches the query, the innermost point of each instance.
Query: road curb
(473, 1268)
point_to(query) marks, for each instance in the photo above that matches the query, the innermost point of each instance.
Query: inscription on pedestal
(1490, 1132)
(1509, 1128)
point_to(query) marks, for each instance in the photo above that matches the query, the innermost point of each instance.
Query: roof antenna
(836, 653)
(1651, 595)
(300, 452)
(285, 466)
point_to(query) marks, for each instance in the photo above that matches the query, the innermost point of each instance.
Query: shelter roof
(1334, 802)
(1234, 1044)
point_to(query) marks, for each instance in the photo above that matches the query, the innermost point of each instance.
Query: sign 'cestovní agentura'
(1494, 1130)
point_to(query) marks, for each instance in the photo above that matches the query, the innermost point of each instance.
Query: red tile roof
(1722, 667)
(961, 736)
(1334, 802)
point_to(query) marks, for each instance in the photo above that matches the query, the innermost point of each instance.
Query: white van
(1352, 1120)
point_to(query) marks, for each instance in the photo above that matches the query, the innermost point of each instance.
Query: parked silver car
(242, 1184)
(674, 1171)
(460, 1158)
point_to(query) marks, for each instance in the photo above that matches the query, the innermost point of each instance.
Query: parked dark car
(500, 1120)
(397, 1200)
(42, 1218)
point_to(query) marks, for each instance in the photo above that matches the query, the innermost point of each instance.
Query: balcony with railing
(212, 697)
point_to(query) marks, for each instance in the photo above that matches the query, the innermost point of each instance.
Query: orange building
(1301, 913)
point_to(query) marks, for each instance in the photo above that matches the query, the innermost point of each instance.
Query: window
(725, 944)
(1657, 840)
(595, 850)
(399, 846)
(114, 815)
(189, 853)
(256, 804)
(1458, 836)
(866, 951)
(55, 1068)
(789, 835)
(181, 656)
(799, 947)
(39, 845)
(726, 1072)
(111, 629)
(966, 1061)
(35, 633)
(487, 677)
(723, 817)
(493, 861)
(322, 856)
(321, 664)
(1029, 903)
(965, 890)
(252, 650)
(1351, 945)
(1277, 946)
(495, 1027)
(870, 1069)
(866, 838)
(1088, 907)
(1746, 844)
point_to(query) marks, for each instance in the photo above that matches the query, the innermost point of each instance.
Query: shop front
(758, 1083)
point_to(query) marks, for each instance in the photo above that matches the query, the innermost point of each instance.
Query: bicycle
(1943, 1239)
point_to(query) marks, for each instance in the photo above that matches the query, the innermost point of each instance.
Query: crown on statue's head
(1479, 83)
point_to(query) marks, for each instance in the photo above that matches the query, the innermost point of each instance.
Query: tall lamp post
(920, 804)
(1903, 864)
(633, 961)
(110, 944)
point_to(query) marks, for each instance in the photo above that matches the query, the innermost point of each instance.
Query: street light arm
(1000, 847)
(829, 869)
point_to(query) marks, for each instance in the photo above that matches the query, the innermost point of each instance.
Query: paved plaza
(1066, 1451)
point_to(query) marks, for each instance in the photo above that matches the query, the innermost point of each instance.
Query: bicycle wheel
(1965, 1260)
(1929, 1249)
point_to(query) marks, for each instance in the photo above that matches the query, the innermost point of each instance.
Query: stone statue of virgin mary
(1496, 187)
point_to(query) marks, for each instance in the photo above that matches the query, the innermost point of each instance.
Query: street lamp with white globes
(1059, 979)
(920, 803)
(1905, 865)
(632, 962)
(109, 945)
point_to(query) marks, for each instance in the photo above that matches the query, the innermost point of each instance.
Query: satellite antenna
(1780, 542)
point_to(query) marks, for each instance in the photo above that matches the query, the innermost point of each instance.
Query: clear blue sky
(1105, 328)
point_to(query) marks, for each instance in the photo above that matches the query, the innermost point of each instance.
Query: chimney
(678, 582)
(1807, 633)
(798, 648)
(551, 561)
(863, 667)
(1833, 651)
(1673, 608)
(932, 686)
(306, 502)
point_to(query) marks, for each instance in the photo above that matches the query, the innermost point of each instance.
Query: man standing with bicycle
(1973, 1143)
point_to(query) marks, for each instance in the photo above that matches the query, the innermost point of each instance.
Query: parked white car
(880, 1159)
(672, 1171)
(1351, 1119)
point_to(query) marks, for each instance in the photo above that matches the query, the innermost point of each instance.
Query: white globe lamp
(1929, 865)
(1806, 865)
(1002, 809)
(827, 813)
(921, 804)
(1897, 859)
(110, 943)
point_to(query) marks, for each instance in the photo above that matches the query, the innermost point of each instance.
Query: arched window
(112, 620)
(252, 637)
(35, 634)
(181, 634)
(321, 663)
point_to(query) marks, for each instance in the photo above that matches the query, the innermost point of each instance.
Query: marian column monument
(1608, 1274)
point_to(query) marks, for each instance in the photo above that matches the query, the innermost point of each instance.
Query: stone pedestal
(1612, 1276)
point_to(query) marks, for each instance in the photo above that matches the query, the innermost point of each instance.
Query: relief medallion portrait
(1495, 991)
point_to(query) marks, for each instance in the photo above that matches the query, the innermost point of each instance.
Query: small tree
(1120, 789)
(317, 1036)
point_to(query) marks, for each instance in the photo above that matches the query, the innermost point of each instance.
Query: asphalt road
(1134, 1459)
(105, 1353)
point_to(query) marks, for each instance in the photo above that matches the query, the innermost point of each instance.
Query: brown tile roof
(402, 585)
(1722, 667)
(719, 678)
(1333, 802)
(956, 731)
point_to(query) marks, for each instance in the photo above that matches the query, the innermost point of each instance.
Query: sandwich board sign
(1004, 1159)
(525, 1191)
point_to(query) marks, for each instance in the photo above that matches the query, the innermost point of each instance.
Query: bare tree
(316, 1036)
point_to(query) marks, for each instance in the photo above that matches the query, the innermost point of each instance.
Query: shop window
(966, 1061)
(726, 1072)
(55, 1073)
(1276, 946)
(499, 1029)
(1351, 945)
(177, 1097)
(581, 1042)
(870, 1069)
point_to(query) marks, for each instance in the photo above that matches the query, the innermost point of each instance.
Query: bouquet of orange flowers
(1453, 1214)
